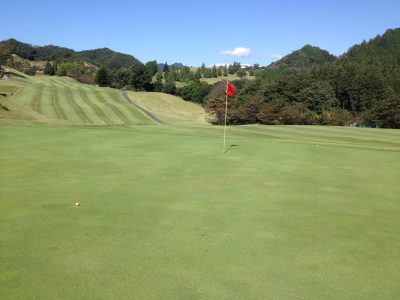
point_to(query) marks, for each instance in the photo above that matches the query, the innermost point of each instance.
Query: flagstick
(226, 109)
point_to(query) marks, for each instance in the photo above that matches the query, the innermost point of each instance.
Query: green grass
(63, 100)
(15, 72)
(56, 103)
(8, 90)
(289, 212)
(170, 109)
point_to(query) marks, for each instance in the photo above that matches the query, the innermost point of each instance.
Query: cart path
(145, 111)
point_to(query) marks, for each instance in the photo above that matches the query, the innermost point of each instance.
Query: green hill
(108, 58)
(304, 58)
(383, 49)
(101, 57)
(367, 79)
(49, 52)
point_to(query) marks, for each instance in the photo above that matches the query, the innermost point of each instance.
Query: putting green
(288, 212)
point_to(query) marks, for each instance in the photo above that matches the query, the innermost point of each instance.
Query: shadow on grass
(230, 147)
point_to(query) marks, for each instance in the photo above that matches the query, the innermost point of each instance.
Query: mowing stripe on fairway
(62, 82)
(56, 104)
(137, 115)
(69, 110)
(46, 107)
(114, 108)
(56, 83)
(99, 112)
(79, 111)
(37, 98)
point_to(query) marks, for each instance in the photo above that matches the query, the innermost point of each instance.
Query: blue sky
(193, 32)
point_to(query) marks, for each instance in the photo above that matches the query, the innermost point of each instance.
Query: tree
(203, 69)
(241, 73)
(159, 76)
(197, 75)
(318, 96)
(208, 73)
(214, 72)
(166, 68)
(49, 69)
(195, 91)
(386, 113)
(120, 78)
(185, 74)
(139, 79)
(215, 102)
(31, 71)
(61, 69)
(158, 86)
(225, 71)
(231, 70)
(102, 78)
(5, 53)
(219, 73)
(151, 67)
(170, 76)
(169, 88)
(236, 67)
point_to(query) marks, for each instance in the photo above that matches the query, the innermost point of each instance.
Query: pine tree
(203, 69)
(219, 72)
(197, 75)
(102, 78)
(214, 71)
(166, 68)
(5, 53)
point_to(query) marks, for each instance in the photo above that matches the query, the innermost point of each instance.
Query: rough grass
(289, 212)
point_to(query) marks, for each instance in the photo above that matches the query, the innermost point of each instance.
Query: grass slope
(65, 100)
(170, 109)
(288, 212)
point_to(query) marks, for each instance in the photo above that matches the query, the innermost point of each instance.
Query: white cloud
(238, 51)
(273, 56)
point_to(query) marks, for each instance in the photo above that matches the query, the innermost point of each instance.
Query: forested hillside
(108, 58)
(306, 57)
(361, 88)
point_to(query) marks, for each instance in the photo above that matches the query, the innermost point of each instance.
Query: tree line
(361, 88)
(309, 86)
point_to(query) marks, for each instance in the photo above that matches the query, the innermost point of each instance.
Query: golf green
(288, 212)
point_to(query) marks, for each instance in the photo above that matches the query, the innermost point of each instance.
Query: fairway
(62, 100)
(289, 212)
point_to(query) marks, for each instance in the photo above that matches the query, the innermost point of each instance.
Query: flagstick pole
(226, 109)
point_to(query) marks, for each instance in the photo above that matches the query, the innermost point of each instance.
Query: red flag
(230, 89)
